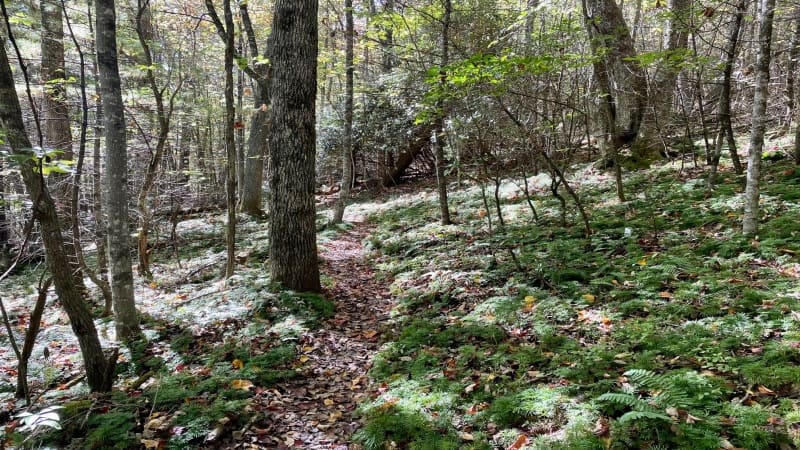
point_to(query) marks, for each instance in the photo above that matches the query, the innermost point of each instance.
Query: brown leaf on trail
(328, 402)
(522, 439)
(369, 334)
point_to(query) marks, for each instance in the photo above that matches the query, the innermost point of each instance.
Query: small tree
(752, 192)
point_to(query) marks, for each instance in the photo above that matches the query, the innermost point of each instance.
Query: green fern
(636, 416)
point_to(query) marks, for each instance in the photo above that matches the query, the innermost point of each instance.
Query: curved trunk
(99, 371)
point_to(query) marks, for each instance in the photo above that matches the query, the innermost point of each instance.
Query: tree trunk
(724, 108)
(57, 132)
(752, 192)
(664, 80)
(292, 236)
(116, 179)
(99, 371)
(791, 71)
(438, 145)
(619, 76)
(163, 117)
(5, 226)
(347, 153)
(257, 149)
(230, 142)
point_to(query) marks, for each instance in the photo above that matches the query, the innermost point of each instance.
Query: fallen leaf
(328, 402)
(150, 443)
(665, 294)
(466, 436)
(303, 359)
(244, 385)
(237, 364)
(765, 390)
(369, 334)
(589, 298)
(522, 439)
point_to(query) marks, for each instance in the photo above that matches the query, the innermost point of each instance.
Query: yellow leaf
(530, 302)
(334, 416)
(328, 402)
(642, 262)
(153, 285)
(150, 443)
(244, 385)
(237, 364)
(589, 298)
(308, 348)
(303, 359)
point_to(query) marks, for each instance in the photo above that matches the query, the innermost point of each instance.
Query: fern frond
(633, 416)
(631, 401)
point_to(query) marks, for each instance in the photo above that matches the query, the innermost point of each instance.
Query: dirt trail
(315, 411)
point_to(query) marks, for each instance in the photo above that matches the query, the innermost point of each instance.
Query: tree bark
(292, 141)
(752, 191)
(57, 132)
(163, 117)
(664, 80)
(116, 179)
(438, 145)
(257, 143)
(99, 371)
(257, 148)
(620, 77)
(724, 108)
(230, 142)
(347, 153)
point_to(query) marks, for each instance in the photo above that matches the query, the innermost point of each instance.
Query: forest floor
(664, 328)
(316, 410)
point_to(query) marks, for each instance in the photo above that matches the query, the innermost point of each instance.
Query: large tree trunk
(752, 192)
(116, 179)
(664, 80)
(347, 154)
(99, 371)
(57, 132)
(620, 77)
(292, 236)
(253, 177)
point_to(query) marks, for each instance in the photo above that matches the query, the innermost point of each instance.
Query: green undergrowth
(663, 329)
